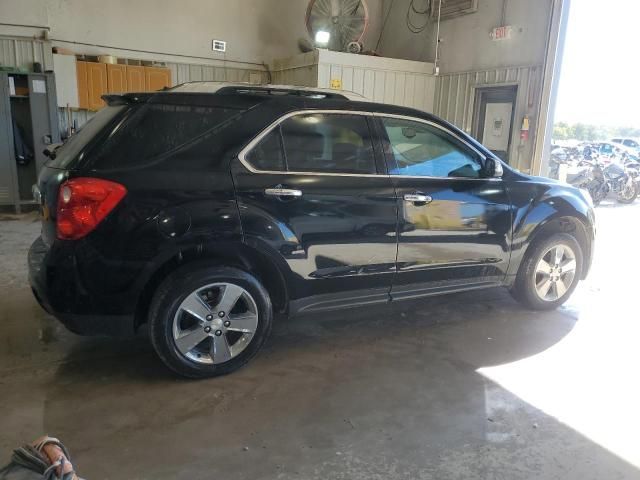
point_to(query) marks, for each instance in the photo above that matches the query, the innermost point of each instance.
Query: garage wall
(455, 96)
(465, 42)
(397, 41)
(466, 45)
(166, 27)
(256, 30)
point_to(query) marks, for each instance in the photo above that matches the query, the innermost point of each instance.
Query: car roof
(240, 87)
(299, 96)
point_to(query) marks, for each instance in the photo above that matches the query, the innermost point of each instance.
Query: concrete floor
(464, 386)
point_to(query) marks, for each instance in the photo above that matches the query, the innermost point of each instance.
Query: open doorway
(493, 117)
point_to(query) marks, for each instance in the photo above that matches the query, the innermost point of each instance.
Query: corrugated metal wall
(385, 86)
(23, 53)
(303, 76)
(378, 79)
(455, 97)
(185, 72)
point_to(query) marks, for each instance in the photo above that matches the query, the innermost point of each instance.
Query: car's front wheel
(549, 272)
(209, 321)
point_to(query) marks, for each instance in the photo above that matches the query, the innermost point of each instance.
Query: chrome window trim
(267, 130)
(257, 139)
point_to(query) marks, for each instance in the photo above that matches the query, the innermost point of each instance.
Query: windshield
(70, 150)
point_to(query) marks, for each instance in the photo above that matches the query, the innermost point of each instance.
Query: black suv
(204, 209)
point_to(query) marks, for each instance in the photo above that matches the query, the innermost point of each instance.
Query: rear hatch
(64, 161)
(134, 132)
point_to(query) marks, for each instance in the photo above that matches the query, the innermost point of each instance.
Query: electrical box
(219, 46)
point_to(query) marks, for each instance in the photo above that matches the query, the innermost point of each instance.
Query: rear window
(153, 132)
(75, 145)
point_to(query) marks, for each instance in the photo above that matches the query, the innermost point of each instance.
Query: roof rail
(268, 90)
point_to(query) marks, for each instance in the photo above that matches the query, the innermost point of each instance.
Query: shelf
(18, 96)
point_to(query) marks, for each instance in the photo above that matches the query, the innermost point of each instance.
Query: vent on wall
(219, 45)
(454, 8)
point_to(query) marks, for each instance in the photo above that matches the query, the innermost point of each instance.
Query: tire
(525, 289)
(598, 195)
(628, 196)
(183, 311)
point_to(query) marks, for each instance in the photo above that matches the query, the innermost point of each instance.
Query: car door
(312, 192)
(454, 223)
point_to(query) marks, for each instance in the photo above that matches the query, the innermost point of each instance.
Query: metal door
(44, 120)
(8, 175)
(493, 118)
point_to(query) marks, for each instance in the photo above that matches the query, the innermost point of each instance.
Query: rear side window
(317, 143)
(73, 147)
(152, 132)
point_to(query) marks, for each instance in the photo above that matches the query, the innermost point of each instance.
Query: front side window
(421, 150)
(317, 143)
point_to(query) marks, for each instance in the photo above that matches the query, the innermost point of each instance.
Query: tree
(562, 131)
(591, 133)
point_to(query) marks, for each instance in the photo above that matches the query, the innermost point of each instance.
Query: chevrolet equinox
(203, 209)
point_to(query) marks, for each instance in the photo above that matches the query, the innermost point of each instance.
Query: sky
(600, 76)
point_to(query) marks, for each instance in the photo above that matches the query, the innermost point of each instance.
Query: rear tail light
(83, 203)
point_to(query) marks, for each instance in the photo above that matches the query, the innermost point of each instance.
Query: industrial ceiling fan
(338, 25)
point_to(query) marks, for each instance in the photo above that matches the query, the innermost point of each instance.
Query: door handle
(417, 198)
(283, 192)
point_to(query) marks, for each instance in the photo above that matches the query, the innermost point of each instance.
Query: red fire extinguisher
(524, 131)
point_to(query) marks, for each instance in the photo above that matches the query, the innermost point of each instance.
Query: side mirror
(494, 168)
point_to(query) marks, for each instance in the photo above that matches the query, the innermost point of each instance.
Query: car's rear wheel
(209, 321)
(549, 273)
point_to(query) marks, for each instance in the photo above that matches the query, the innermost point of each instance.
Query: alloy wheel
(555, 273)
(628, 191)
(215, 323)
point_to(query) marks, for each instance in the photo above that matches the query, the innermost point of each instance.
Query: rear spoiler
(114, 100)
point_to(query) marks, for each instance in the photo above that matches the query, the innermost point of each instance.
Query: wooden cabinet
(156, 78)
(135, 79)
(83, 89)
(97, 79)
(92, 84)
(97, 83)
(117, 78)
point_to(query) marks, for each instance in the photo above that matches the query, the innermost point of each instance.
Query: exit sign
(501, 33)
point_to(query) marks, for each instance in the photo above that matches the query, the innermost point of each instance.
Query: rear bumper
(58, 289)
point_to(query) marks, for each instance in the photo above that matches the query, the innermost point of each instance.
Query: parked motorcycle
(612, 178)
(587, 176)
(591, 169)
(632, 167)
